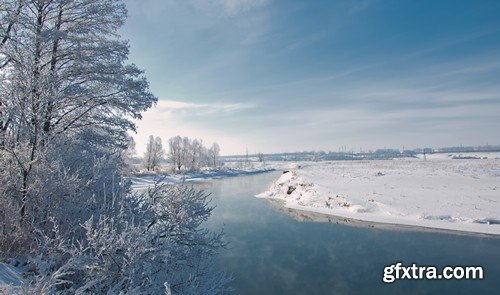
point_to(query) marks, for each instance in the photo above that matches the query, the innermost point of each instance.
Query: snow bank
(144, 181)
(439, 193)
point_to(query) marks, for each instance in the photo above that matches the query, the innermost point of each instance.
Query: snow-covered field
(440, 192)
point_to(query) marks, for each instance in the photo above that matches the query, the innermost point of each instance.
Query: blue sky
(275, 75)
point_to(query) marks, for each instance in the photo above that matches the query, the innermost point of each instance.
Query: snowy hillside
(440, 193)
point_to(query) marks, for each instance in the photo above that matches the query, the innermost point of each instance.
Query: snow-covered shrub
(72, 179)
(154, 245)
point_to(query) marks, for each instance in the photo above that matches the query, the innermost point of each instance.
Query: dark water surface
(273, 253)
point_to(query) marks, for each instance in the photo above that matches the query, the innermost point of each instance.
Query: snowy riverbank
(145, 180)
(444, 193)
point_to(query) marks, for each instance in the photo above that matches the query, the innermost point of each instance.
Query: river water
(274, 251)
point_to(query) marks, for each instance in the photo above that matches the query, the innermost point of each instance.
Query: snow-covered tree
(10, 11)
(67, 98)
(195, 155)
(187, 154)
(175, 152)
(214, 154)
(186, 151)
(128, 154)
(159, 153)
(67, 73)
(154, 154)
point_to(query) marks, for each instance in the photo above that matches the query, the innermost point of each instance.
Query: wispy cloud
(172, 106)
(229, 7)
(359, 5)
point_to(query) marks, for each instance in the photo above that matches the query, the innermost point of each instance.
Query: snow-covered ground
(440, 192)
(144, 181)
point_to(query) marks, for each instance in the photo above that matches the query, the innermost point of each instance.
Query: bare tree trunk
(35, 104)
(53, 62)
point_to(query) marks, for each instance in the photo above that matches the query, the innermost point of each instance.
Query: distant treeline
(370, 155)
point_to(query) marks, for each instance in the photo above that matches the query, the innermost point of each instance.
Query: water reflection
(307, 216)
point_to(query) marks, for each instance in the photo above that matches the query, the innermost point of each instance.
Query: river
(271, 252)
